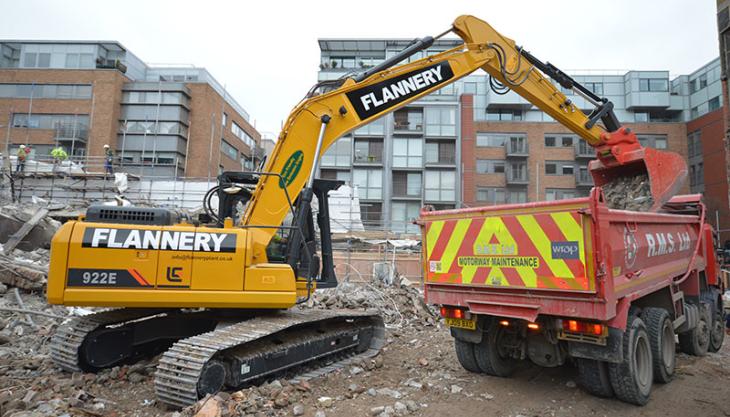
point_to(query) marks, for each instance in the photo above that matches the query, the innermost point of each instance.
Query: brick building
(159, 121)
(467, 145)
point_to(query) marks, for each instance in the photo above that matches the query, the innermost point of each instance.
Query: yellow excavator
(213, 295)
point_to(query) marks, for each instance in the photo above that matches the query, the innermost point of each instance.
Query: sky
(266, 52)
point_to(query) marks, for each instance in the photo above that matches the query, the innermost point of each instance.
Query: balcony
(583, 178)
(441, 161)
(584, 151)
(517, 176)
(364, 159)
(516, 148)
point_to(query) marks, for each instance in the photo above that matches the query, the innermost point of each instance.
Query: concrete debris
(399, 305)
(629, 193)
(18, 271)
(13, 218)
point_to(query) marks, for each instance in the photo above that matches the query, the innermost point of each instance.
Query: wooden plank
(18, 236)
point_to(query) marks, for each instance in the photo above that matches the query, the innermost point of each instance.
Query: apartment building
(467, 145)
(168, 121)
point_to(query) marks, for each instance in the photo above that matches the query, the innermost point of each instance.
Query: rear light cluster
(577, 326)
(455, 313)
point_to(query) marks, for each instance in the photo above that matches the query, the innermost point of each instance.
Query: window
(597, 88)
(491, 140)
(470, 88)
(371, 214)
(504, 115)
(554, 141)
(440, 186)
(375, 127)
(229, 150)
(641, 117)
(406, 184)
(654, 141)
(559, 168)
(241, 134)
(408, 120)
(402, 214)
(368, 150)
(334, 174)
(44, 60)
(516, 196)
(653, 84)
(29, 59)
(553, 194)
(696, 174)
(694, 112)
(407, 152)
(694, 144)
(714, 103)
(490, 166)
(369, 183)
(440, 153)
(440, 121)
(56, 91)
(703, 80)
(51, 121)
(224, 120)
(339, 153)
(491, 195)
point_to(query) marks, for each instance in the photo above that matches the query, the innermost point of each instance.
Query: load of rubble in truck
(575, 279)
(238, 269)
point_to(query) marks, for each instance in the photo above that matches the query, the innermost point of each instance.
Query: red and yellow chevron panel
(541, 250)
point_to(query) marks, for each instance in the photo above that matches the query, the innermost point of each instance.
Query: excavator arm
(319, 120)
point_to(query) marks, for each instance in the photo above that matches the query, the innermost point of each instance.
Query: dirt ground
(417, 374)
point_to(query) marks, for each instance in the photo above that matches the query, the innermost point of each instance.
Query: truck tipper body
(550, 281)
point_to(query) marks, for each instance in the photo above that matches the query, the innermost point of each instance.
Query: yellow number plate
(462, 323)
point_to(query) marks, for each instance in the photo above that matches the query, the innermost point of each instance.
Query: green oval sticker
(291, 169)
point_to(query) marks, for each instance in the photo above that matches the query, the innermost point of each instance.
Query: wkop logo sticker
(565, 250)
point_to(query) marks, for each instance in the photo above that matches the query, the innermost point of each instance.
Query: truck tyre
(696, 341)
(465, 355)
(632, 377)
(663, 349)
(593, 377)
(717, 329)
(490, 354)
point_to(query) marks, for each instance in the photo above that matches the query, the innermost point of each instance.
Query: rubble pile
(13, 217)
(629, 193)
(399, 304)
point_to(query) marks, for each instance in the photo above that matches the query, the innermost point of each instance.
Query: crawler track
(245, 352)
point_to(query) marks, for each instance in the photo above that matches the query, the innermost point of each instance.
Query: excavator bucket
(665, 172)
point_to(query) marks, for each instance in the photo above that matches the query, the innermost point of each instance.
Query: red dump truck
(574, 280)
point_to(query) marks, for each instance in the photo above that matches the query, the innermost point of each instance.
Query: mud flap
(611, 352)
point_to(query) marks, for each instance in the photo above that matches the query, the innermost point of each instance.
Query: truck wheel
(696, 341)
(717, 329)
(593, 377)
(717, 333)
(661, 337)
(465, 355)
(491, 353)
(631, 378)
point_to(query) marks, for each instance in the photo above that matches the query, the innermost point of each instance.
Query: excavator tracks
(66, 342)
(246, 352)
(115, 337)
